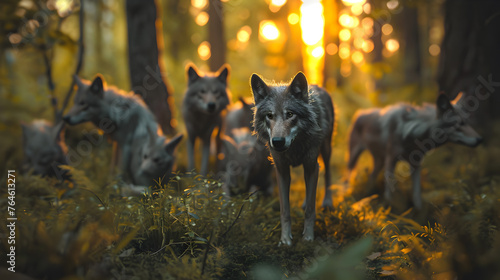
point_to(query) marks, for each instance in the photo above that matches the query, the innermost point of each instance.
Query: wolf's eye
(289, 115)
(269, 116)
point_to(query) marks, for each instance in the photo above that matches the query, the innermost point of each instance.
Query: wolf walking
(404, 132)
(297, 122)
(206, 97)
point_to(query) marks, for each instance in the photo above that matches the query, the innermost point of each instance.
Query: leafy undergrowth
(188, 229)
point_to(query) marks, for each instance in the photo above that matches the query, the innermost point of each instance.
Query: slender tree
(216, 35)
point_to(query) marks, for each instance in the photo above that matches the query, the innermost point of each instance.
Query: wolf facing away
(205, 99)
(153, 158)
(124, 117)
(44, 148)
(404, 132)
(297, 122)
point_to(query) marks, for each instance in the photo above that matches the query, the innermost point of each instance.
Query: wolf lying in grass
(44, 148)
(153, 159)
(404, 132)
(297, 122)
(206, 97)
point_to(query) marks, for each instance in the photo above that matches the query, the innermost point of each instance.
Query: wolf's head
(208, 92)
(87, 100)
(157, 157)
(43, 147)
(453, 123)
(279, 109)
(240, 116)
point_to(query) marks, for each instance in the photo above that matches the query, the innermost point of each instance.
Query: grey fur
(123, 116)
(297, 122)
(405, 132)
(44, 149)
(204, 101)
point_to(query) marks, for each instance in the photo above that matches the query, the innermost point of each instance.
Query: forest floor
(187, 229)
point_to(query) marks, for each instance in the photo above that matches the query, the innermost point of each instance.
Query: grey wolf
(297, 122)
(405, 132)
(205, 99)
(245, 166)
(122, 116)
(44, 148)
(153, 158)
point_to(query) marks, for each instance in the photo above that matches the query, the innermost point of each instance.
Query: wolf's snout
(278, 143)
(211, 106)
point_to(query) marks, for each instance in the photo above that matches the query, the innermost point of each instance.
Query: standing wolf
(405, 132)
(297, 122)
(124, 117)
(206, 97)
(44, 148)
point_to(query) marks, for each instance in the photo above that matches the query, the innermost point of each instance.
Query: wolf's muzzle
(279, 144)
(211, 107)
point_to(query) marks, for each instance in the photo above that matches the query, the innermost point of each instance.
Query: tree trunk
(470, 61)
(216, 35)
(411, 39)
(145, 43)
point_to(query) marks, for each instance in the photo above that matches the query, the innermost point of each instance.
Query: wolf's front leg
(283, 175)
(205, 156)
(311, 178)
(190, 150)
(417, 188)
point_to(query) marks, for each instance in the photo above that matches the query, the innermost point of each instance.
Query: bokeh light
(268, 30)
(199, 4)
(387, 29)
(204, 50)
(367, 46)
(202, 18)
(344, 35)
(244, 33)
(434, 49)
(312, 22)
(353, 2)
(293, 18)
(332, 49)
(392, 45)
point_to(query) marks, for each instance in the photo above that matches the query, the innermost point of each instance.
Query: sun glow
(268, 30)
(312, 24)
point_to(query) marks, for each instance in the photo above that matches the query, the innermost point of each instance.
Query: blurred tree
(408, 21)
(216, 35)
(470, 60)
(145, 43)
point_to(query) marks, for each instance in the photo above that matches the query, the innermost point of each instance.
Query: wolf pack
(285, 125)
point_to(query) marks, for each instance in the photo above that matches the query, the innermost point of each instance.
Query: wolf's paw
(308, 237)
(286, 240)
(327, 204)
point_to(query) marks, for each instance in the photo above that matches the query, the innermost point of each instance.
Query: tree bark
(216, 36)
(147, 75)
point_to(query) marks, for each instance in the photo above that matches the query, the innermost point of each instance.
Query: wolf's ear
(443, 104)
(56, 131)
(223, 73)
(170, 146)
(77, 80)
(299, 88)
(97, 86)
(259, 88)
(192, 73)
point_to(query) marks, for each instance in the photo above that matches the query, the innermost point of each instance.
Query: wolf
(44, 149)
(122, 116)
(405, 132)
(245, 166)
(153, 158)
(297, 123)
(204, 101)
